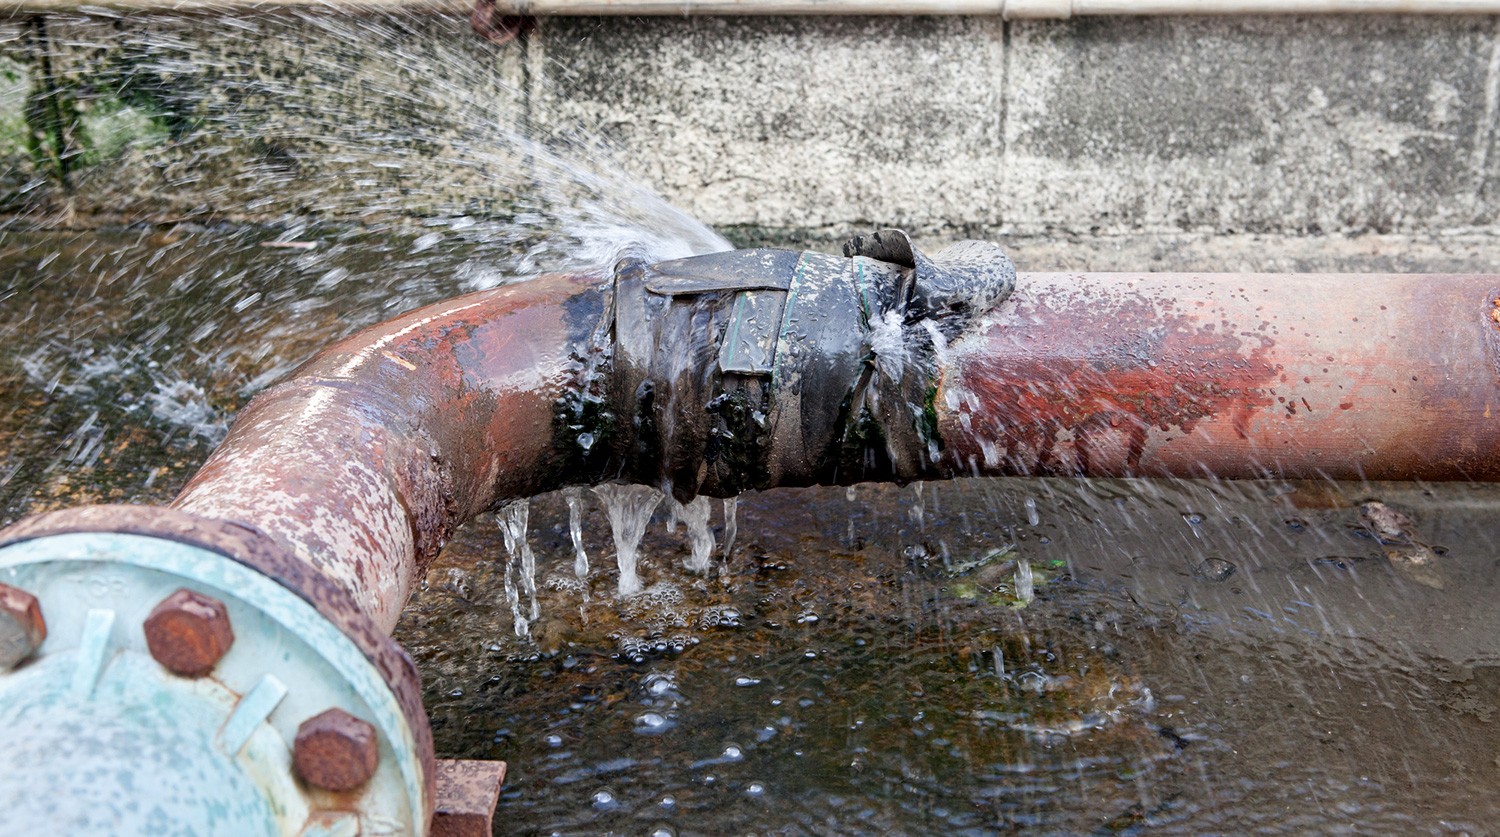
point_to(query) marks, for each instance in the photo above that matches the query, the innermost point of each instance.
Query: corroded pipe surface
(1229, 375)
(366, 460)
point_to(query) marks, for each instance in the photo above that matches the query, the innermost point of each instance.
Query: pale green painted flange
(97, 738)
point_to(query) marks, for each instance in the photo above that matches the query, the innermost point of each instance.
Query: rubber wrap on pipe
(757, 368)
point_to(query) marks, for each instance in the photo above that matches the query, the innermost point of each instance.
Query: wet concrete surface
(1255, 657)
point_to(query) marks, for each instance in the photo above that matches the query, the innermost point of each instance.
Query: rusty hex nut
(188, 633)
(335, 751)
(22, 628)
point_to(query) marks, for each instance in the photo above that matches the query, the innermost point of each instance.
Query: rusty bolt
(335, 751)
(22, 628)
(188, 633)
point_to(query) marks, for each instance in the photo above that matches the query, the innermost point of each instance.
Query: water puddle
(850, 672)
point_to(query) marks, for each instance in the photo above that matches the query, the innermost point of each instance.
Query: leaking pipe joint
(758, 368)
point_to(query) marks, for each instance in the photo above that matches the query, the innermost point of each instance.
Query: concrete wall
(775, 129)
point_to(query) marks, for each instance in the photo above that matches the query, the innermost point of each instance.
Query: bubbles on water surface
(651, 722)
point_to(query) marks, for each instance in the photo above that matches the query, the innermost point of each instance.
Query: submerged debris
(1397, 533)
(1386, 524)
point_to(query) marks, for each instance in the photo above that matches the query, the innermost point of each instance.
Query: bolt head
(336, 751)
(188, 633)
(22, 628)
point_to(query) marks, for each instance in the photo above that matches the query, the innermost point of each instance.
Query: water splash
(629, 508)
(700, 534)
(574, 497)
(889, 344)
(1025, 582)
(731, 523)
(674, 514)
(521, 561)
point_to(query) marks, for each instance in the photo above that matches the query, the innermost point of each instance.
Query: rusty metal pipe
(1229, 375)
(364, 462)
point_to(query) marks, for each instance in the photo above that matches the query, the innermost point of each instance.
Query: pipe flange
(98, 721)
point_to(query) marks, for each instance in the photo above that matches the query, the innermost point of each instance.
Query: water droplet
(553, 740)
(663, 831)
(755, 789)
(1032, 516)
(742, 680)
(732, 752)
(668, 802)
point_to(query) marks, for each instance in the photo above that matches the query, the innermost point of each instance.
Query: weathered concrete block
(792, 130)
(1327, 124)
(791, 122)
(307, 114)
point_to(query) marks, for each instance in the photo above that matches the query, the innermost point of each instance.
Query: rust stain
(1089, 367)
